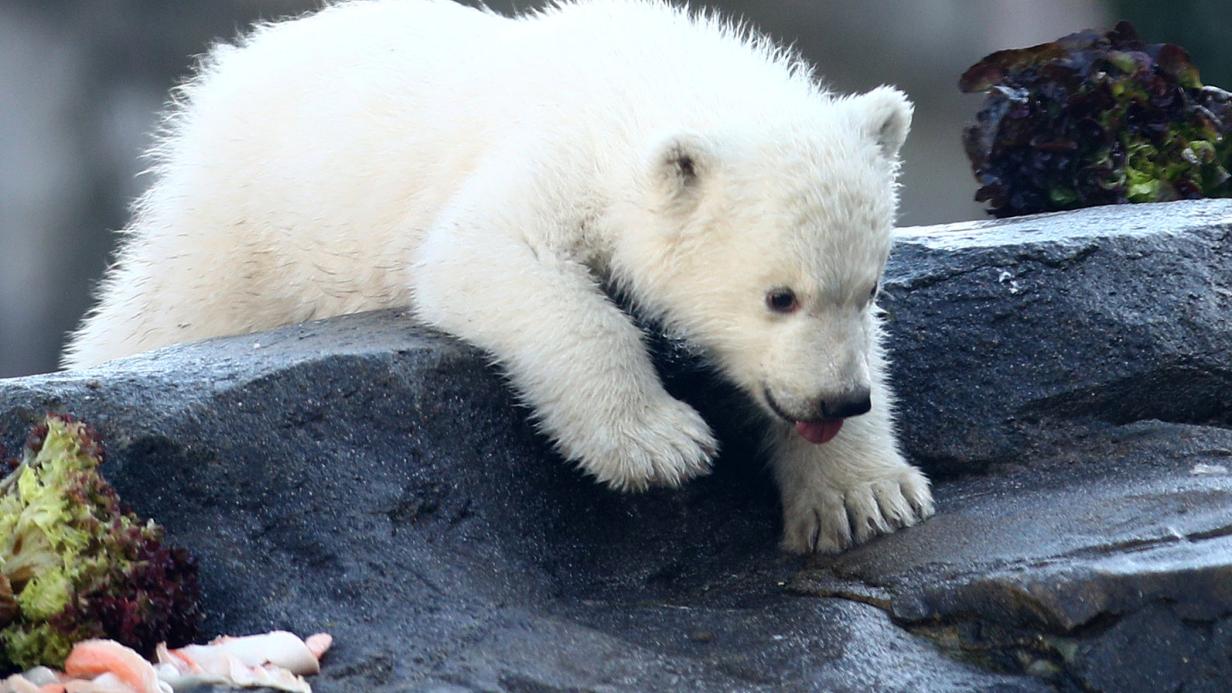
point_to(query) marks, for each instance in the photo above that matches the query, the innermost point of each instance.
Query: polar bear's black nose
(850, 403)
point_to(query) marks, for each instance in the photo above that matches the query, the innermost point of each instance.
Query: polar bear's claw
(828, 519)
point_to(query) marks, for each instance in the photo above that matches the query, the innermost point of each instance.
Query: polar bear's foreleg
(849, 490)
(572, 355)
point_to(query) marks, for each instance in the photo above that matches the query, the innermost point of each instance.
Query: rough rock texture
(1065, 376)
(1004, 332)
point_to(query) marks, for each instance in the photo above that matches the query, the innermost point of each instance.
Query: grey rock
(1083, 362)
(1117, 570)
(373, 479)
(1006, 332)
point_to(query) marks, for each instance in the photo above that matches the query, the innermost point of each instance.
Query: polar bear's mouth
(817, 431)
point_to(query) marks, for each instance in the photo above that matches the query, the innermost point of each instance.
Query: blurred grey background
(82, 83)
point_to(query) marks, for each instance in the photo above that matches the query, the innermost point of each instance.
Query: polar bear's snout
(825, 414)
(845, 404)
(852, 402)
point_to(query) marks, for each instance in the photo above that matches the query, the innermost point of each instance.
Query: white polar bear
(495, 173)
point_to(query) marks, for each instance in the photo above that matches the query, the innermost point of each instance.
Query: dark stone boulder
(369, 478)
(374, 480)
(1008, 335)
(1110, 573)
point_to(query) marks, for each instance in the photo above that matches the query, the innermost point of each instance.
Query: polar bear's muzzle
(825, 413)
(853, 402)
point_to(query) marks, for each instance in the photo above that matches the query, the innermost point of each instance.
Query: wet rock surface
(1005, 331)
(1113, 573)
(1065, 378)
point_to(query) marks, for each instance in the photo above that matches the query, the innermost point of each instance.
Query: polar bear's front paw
(661, 445)
(829, 518)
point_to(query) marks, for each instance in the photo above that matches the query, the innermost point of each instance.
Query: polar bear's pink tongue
(818, 432)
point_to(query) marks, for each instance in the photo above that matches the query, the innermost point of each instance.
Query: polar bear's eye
(782, 300)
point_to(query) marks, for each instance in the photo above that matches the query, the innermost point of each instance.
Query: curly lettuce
(75, 564)
(1094, 119)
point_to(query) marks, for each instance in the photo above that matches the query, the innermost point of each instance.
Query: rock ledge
(1066, 378)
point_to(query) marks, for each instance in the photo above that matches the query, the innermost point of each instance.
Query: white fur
(494, 173)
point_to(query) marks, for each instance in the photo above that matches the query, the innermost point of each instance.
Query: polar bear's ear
(679, 167)
(885, 115)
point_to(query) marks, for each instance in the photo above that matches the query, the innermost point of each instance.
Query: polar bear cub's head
(765, 245)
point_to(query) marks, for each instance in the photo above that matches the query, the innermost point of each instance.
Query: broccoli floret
(1093, 119)
(76, 564)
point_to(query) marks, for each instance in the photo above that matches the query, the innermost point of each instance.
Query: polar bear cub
(495, 174)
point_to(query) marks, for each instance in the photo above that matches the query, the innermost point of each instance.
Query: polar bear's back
(386, 95)
(334, 111)
(301, 167)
